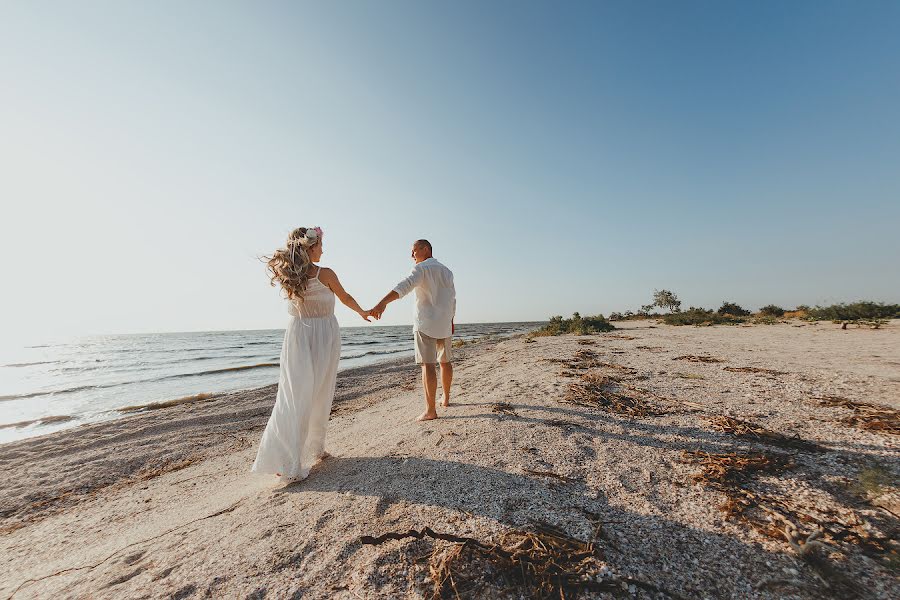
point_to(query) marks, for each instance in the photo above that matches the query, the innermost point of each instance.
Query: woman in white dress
(294, 438)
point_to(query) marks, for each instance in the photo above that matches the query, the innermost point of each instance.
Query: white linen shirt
(435, 298)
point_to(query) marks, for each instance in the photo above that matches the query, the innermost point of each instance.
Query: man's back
(435, 297)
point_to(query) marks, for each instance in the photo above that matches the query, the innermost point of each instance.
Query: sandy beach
(161, 504)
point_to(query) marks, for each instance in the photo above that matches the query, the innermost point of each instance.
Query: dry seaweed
(775, 516)
(753, 370)
(866, 416)
(504, 408)
(760, 433)
(732, 467)
(602, 391)
(623, 368)
(551, 474)
(544, 563)
(583, 360)
(587, 343)
(699, 359)
(619, 336)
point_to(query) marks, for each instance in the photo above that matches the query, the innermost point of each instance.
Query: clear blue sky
(560, 156)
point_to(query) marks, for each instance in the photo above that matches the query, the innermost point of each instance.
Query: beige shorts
(431, 350)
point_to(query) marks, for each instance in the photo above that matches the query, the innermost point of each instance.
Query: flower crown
(308, 239)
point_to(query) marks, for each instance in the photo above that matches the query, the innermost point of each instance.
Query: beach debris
(622, 368)
(753, 370)
(529, 340)
(733, 467)
(800, 545)
(587, 343)
(688, 376)
(504, 408)
(866, 416)
(760, 433)
(542, 563)
(583, 360)
(563, 424)
(602, 391)
(699, 359)
(619, 336)
(550, 474)
(651, 348)
(733, 474)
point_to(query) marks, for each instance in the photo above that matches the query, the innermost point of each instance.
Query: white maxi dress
(294, 438)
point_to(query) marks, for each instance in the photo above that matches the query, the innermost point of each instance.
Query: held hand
(365, 315)
(377, 311)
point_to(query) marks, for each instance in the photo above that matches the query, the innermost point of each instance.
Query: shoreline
(213, 421)
(162, 504)
(109, 378)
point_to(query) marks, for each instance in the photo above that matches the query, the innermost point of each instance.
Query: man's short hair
(423, 244)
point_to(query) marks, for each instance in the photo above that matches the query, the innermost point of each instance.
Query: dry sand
(162, 504)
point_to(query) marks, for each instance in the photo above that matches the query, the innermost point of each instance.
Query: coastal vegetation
(577, 324)
(861, 313)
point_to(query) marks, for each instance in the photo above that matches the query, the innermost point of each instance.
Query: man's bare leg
(446, 380)
(429, 383)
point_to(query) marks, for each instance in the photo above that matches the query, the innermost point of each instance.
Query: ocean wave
(215, 371)
(377, 352)
(167, 403)
(30, 364)
(42, 421)
(81, 388)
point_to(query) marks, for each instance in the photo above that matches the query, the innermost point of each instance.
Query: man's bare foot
(445, 403)
(427, 416)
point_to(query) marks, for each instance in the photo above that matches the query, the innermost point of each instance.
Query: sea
(50, 387)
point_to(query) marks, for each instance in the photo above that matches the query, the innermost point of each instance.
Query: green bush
(863, 310)
(577, 324)
(699, 316)
(731, 308)
(765, 320)
(770, 310)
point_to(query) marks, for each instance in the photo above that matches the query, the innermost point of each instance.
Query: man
(433, 322)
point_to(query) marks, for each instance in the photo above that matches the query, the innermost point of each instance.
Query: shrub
(762, 319)
(770, 310)
(699, 316)
(855, 311)
(801, 308)
(577, 324)
(616, 316)
(730, 308)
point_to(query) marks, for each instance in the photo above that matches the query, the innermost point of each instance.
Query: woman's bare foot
(427, 416)
(445, 403)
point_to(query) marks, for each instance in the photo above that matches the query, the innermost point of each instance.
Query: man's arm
(379, 308)
(400, 290)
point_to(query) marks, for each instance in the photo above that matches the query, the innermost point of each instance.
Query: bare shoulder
(327, 274)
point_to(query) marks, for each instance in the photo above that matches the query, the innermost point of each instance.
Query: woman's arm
(330, 279)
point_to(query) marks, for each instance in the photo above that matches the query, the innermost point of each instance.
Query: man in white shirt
(433, 322)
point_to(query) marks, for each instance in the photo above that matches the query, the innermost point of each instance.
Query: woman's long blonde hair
(289, 266)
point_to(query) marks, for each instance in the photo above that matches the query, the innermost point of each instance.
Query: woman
(294, 438)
